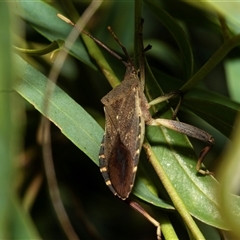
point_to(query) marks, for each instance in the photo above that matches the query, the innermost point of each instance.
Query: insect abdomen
(118, 169)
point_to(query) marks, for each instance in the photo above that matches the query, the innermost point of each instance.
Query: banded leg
(190, 131)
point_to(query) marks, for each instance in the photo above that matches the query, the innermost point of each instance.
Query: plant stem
(177, 201)
(226, 47)
(137, 27)
(94, 50)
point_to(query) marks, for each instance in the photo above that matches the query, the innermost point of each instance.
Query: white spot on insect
(134, 169)
(101, 156)
(103, 169)
(108, 183)
(137, 152)
(117, 117)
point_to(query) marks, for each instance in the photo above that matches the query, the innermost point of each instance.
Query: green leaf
(64, 112)
(14, 222)
(145, 189)
(233, 74)
(209, 232)
(42, 17)
(229, 178)
(229, 10)
(178, 160)
(219, 116)
(217, 110)
(178, 34)
(22, 226)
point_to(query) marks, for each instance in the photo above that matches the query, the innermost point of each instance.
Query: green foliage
(194, 58)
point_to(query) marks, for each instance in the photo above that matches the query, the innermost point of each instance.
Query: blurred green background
(182, 41)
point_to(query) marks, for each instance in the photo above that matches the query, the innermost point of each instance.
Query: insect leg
(190, 131)
(168, 96)
(141, 210)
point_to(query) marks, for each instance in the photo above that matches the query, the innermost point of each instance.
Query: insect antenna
(121, 45)
(67, 20)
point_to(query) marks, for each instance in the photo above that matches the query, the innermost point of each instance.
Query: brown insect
(126, 113)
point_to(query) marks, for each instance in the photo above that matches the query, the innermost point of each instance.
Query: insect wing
(120, 148)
